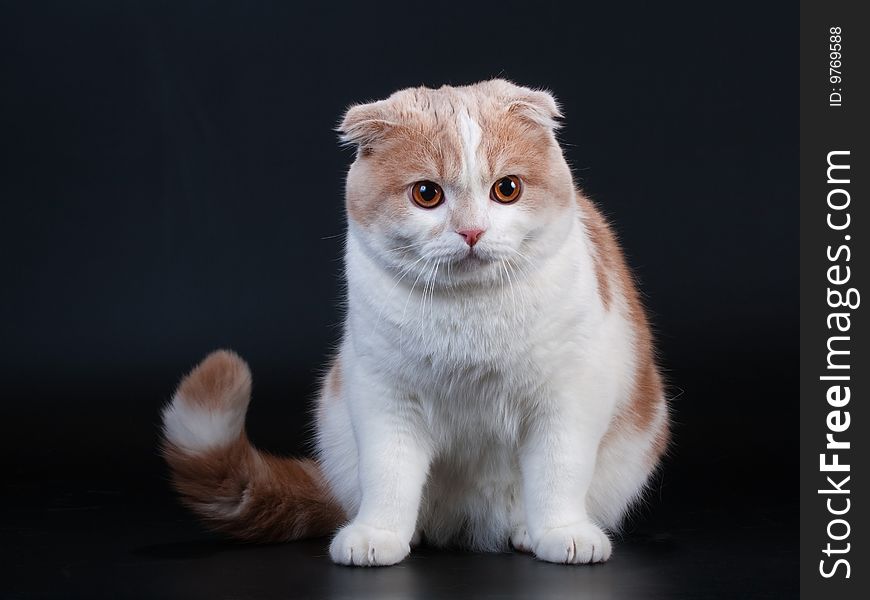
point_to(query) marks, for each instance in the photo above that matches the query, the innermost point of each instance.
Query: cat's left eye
(507, 189)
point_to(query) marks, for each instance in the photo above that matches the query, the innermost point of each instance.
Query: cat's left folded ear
(537, 106)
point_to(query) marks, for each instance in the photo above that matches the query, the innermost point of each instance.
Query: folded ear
(363, 124)
(538, 106)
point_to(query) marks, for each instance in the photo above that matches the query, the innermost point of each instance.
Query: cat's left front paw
(579, 543)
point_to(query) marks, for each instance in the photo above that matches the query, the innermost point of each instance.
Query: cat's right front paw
(365, 546)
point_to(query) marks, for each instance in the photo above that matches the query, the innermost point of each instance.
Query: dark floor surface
(86, 511)
(110, 544)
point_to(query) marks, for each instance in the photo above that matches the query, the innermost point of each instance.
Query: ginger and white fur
(486, 396)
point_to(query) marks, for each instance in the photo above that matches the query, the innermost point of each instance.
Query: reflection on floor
(107, 544)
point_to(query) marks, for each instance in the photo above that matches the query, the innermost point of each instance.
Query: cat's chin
(472, 269)
(472, 260)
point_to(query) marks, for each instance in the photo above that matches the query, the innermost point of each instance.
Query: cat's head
(458, 184)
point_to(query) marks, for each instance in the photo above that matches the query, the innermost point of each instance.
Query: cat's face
(458, 185)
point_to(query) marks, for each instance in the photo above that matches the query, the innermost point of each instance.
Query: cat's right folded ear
(364, 124)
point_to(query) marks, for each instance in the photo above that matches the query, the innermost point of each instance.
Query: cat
(496, 384)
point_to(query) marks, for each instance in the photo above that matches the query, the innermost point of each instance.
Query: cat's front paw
(365, 546)
(520, 539)
(575, 544)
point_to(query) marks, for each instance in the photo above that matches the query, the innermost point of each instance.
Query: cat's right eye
(427, 194)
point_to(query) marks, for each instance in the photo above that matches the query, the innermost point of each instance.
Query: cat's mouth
(472, 258)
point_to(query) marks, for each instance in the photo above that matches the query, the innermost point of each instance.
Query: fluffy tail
(237, 489)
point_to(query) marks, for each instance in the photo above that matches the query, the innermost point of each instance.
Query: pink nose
(471, 235)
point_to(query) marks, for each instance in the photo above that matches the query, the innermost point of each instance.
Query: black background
(171, 183)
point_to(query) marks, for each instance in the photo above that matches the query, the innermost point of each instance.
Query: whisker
(501, 296)
(404, 272)
(510, 285)
(405, 309)
(430, 279)
(413, 245)
(512, 266)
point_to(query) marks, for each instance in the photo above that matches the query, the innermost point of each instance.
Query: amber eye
(427, 194)
(507, 189)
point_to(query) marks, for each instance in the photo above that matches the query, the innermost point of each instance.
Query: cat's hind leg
(627, 457)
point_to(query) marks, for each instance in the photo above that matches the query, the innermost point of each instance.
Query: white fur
(196, 429)
(471, 135)
(456, 384)
(476, 395)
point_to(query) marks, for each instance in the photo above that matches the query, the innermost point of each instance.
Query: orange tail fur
(235, 488)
